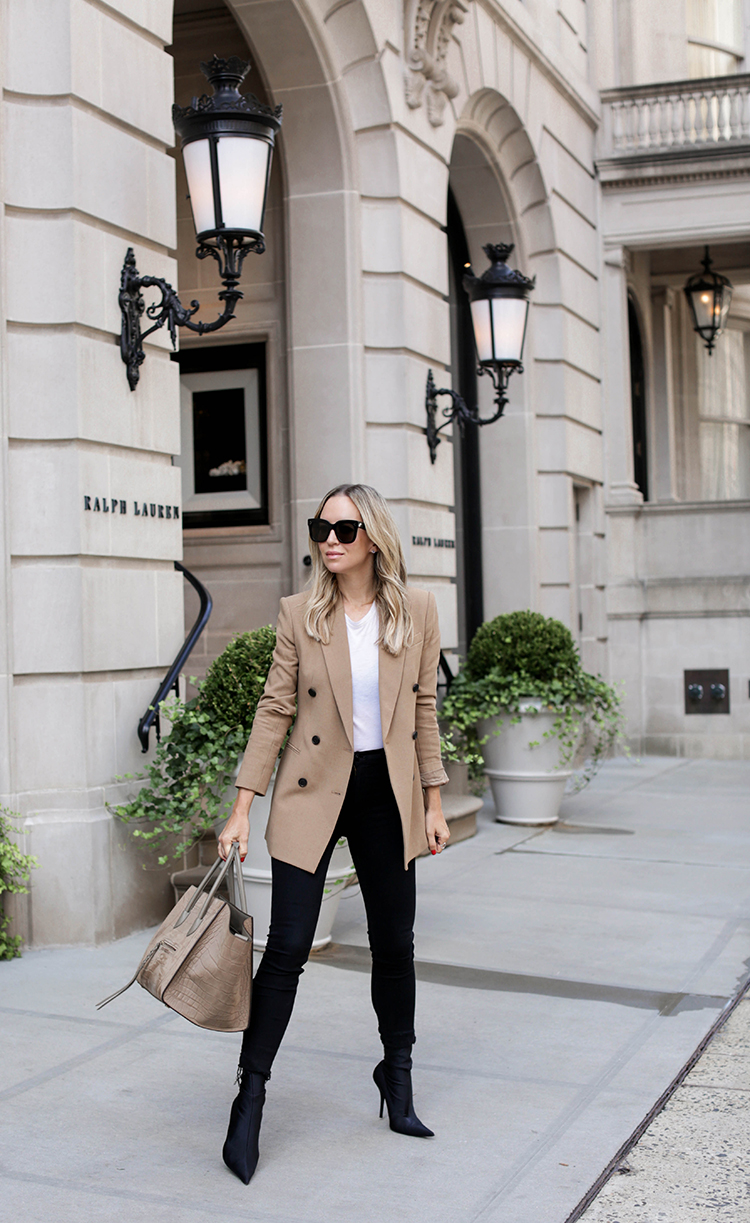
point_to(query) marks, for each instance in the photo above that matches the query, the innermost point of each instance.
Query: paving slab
(565, 975)
(690, 1166)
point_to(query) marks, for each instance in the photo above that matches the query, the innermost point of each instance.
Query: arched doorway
(638, 399)
(290, 343)
(494, 184)
(466, 469)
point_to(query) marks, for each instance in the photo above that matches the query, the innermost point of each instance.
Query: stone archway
(323, 314)
(498, 186)
(494, 159)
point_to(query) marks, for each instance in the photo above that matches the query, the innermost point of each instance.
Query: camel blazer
(314, 681)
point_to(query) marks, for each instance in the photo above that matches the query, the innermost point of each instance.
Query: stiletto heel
(240, 1152)
(392, 1077)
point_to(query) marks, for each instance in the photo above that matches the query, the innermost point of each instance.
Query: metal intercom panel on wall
(707, 691)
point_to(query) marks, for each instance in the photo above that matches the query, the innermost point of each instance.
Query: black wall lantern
(227, 145)
(499, 313)
(709, 296)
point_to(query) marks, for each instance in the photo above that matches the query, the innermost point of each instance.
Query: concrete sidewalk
(565, 977)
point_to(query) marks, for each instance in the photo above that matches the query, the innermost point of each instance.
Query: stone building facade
(609, 140)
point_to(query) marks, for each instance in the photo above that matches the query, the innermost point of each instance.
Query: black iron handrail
(171, 680)
(444, 666)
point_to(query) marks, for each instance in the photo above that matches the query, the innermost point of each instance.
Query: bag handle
(207, 879)
(236, 882)
(219, 870)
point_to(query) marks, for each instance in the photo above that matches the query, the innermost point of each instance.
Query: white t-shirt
(363, 653)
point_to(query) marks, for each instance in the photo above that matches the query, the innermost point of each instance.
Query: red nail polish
(433, 852)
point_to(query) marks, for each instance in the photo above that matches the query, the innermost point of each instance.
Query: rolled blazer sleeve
(431, 771)
(276, 709)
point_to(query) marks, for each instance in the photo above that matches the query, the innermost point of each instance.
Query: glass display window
(223, 429)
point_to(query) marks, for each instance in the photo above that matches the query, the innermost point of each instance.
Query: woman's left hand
(438, 832)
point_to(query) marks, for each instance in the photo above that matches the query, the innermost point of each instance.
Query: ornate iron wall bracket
(229, 253)
(458, 410)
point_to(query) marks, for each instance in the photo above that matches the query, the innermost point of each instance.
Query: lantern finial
(226, 73)
(498, 273)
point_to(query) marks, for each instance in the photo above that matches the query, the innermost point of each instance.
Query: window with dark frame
(224, 436)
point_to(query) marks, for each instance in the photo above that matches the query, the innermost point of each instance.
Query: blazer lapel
(336, 655)
(390, 671)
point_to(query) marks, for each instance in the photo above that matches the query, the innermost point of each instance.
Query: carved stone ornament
(428, 29)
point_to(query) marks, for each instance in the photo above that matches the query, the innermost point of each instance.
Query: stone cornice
(680, 507)
(673, 166)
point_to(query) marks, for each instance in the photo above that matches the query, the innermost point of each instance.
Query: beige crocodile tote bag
(200, 961)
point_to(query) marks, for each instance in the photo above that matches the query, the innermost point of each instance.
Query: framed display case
(224, 457)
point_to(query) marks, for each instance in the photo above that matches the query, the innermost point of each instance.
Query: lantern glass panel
(197, 156)
(480, 317)
(721, 307)
(703, 307)
(710, 305)
(509, 327)
(243, 173)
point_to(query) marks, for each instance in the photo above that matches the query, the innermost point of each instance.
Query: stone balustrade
(676, 117)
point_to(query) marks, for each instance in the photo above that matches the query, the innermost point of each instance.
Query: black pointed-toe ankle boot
(240, 1151)
(393, 1079)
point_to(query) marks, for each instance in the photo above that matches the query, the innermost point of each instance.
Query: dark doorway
(466, 445)
(638, 400)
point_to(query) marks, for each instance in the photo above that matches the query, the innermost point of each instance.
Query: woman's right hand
(237, 827)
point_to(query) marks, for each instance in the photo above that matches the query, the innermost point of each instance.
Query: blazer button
(415, 688)
(316, 740)
(414, 735)
(311, 692)
(302, 781)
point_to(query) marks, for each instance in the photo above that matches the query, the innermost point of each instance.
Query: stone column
(623, 498)
(621, 488)
(406, 326)
(91, 501)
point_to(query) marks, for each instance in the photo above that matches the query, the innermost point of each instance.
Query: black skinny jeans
(370, 821)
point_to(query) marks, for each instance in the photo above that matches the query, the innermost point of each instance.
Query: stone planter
(527, 784)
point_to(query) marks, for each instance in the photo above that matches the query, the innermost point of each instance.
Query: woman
(355, 669)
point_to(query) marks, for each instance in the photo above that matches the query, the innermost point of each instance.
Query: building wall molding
(616, 175)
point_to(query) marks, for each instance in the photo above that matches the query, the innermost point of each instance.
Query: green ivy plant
(15, 869)
(520, 655)
(187, 782)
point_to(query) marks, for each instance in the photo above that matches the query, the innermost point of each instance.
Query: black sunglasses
(345, 530)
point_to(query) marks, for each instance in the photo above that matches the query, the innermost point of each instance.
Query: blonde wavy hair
(389, 567)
